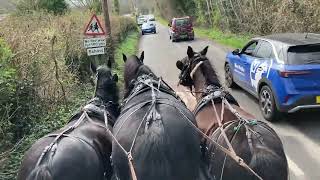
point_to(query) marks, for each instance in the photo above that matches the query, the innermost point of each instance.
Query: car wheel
(268, 105)
(228, 77)
(173, 40)
(142, 33)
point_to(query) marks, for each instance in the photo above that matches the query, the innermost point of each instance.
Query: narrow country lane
(299, 132)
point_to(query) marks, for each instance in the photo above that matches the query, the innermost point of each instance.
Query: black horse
(81, 150)
(254, 141)
(156, 126)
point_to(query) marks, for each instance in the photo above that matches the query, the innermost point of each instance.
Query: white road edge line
(295, 169)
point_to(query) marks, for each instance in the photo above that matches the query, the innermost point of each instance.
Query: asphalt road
(300, 132)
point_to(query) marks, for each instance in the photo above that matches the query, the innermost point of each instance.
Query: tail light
(189, 28)
(174, 29)
(287, 74)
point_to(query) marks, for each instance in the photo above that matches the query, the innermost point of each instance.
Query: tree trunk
(234, 11)
(108, 30)
(209, 12)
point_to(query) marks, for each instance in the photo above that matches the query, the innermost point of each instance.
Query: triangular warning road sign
(94, 27)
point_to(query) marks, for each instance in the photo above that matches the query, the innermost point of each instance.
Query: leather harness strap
(91, 109)
(212, 96)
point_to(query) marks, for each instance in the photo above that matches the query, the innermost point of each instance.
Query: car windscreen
(182, 22)
(306, 54)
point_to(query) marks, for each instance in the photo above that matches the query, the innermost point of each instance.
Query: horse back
(80, 155)
(165, 148)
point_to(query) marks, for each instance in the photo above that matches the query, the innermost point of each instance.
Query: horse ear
(124, 57)
(115, 78)
(109, 64)
(179, 65)
(93, 68)
(142, 56)
(190, 52)
(204, 51)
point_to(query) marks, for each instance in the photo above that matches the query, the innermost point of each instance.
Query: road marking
(295, 169)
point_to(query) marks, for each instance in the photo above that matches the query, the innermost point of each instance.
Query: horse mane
(210, 74)
(144, 69)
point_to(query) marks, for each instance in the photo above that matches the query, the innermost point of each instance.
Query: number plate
(318, 99)
(184, 36)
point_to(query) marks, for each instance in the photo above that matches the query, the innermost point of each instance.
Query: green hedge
(32, 102)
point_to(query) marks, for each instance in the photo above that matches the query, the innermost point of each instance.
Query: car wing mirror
(236, 52)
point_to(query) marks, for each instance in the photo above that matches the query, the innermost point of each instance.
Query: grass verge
(162, 21)
(128, 47)
(225, 38)
(228, 39)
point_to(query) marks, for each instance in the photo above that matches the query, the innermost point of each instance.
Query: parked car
(281, 70)
(181, 28)
(148, 27)
(141, 19)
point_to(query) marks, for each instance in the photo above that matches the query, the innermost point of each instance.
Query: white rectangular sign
(94, 42)
(95, 51)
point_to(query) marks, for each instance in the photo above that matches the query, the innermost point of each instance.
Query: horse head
(134, 67)
(187, 65)
(106, 84)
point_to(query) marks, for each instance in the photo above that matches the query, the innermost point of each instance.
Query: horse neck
(201, 81)
(199, 84)
(108, 95)
(204, 76)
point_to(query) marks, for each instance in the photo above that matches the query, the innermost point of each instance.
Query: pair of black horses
(152, 123)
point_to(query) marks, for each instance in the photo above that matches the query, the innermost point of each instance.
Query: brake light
(189, 28)
(287, 74)
(174, 29)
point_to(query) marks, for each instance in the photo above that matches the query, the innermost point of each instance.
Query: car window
(250, 48)
(307, 54)
(182, 22)
(264, 50)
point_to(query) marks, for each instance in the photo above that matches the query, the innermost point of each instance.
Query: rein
(143, 84)
(52, 147)
(195, 69)
(218, 93)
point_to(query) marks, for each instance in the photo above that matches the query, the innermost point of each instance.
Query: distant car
(282, 70)
(181, 28)
(151, 17)
(141, 19)
(149, 27)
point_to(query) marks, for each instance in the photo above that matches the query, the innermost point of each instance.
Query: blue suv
(282, 70)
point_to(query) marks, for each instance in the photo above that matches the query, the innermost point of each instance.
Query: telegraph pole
(105, 10)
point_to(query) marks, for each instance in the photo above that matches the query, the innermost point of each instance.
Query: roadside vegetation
(233, 22)
(226, 38)
(129, 46)
(45, 75)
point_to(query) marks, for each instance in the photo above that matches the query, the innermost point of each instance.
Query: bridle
(186, 75)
